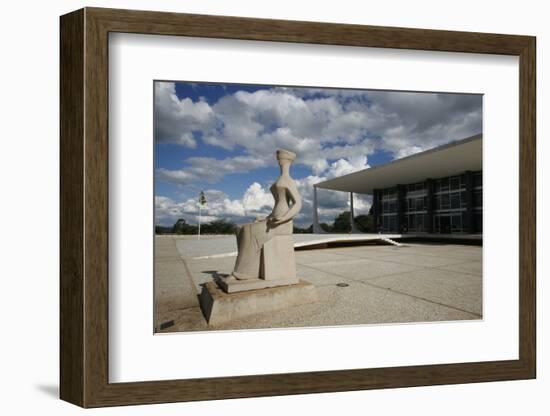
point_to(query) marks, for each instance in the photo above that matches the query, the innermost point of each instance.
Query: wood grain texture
(527, 208)
(96, 208)
(84, 207)
(71, 208)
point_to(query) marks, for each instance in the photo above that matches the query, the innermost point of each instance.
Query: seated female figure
(251, 237)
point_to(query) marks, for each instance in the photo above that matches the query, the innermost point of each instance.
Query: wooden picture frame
(84, 207)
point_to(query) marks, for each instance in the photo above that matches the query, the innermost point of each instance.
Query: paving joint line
(407, 264)
(186, 267)
(404, 293)
(358, 280)
(422, 298)
(425, 255)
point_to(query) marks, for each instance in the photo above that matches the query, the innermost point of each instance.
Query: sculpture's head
(285, 156)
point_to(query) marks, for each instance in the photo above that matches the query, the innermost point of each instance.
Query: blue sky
(222, 138)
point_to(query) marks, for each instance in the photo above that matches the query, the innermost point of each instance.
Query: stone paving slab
(174, 287)
(457, 290)
(360, 268)
(419, 260)
(373, 252)
(206, 270)
(357, 304)
(191, 246)
(314, 256)
(320, 278)
(385, 284)
(473, 267)
(447, 250)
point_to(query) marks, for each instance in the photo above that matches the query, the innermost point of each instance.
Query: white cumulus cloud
(334, 132)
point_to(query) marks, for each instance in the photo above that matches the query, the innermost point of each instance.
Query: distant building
(436, 191)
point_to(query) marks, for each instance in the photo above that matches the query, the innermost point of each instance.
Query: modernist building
(436, 191)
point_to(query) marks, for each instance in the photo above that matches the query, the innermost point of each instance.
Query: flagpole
(202, 201)
(199, 236)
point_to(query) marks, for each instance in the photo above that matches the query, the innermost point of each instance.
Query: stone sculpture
(264, 277)
(266, 247)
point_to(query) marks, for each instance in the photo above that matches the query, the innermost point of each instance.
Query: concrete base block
(220, 307)
(232, 285)
(278, 260)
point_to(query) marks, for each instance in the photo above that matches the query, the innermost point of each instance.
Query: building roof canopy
(447, 160)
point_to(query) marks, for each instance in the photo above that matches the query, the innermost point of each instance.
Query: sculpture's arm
(294, 196)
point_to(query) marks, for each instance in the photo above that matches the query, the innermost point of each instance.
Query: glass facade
(389, 209)
(478, 202)
(416, 209)
(452, 204)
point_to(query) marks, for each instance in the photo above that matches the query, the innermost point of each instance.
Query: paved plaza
(361, 284)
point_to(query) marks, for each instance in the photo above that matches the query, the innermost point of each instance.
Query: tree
(365, 223)
(342, 223)
(222, 226)
(181, 227)
(160, 229)
(298, 230)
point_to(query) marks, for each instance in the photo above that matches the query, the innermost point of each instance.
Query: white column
(316, 226)
(354, 228)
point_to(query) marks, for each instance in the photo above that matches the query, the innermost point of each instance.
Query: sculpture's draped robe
(252, 236)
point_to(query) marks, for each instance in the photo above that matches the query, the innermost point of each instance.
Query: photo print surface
(285, 206)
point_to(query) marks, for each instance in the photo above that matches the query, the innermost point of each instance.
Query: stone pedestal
(232, 285)
(220, 307)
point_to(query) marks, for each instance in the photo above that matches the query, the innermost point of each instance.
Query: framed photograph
(255, 207)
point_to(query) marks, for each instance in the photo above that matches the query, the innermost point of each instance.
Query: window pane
(455, 200)
(445, 204)
(455, 183)
(478, 179)
(445, 184)
(478, 199)
(392, 223)
(420, 222)
(478, 221)
(420, 204)
(410, 222)
(456, 223)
